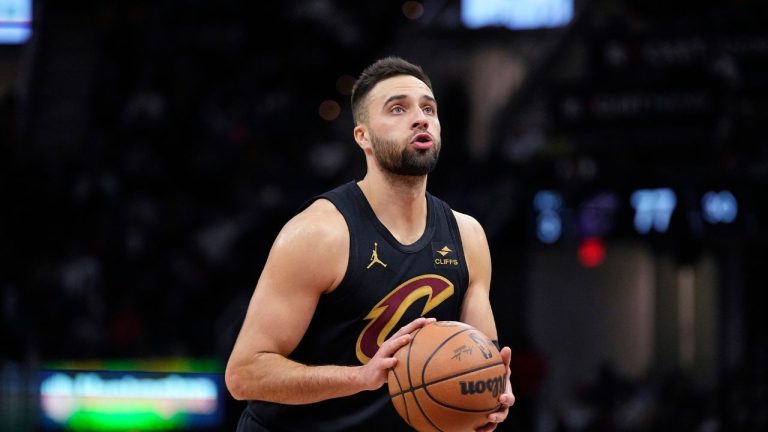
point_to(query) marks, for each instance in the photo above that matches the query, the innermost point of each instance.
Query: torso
(386, 285)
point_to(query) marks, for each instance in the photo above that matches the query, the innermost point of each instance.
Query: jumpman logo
(375, 256)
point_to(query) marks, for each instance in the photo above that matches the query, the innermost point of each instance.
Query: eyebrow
(402, 96)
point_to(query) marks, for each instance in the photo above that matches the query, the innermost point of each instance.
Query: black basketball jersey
(387, 285)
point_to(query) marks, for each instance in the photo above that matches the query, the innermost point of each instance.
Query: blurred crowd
(134, 242)
(664, 402)
(200, 137)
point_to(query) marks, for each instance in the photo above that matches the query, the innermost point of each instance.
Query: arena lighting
(653, 209)
(516, 14)
(597, 213)
(329, 110)
(719, 207)
(177, 394)
(15, 21)
(591, 252)
(413, 10)
(549, 226)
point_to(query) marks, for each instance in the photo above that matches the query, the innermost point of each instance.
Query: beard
(409, 161)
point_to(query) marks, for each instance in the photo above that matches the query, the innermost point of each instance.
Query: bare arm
(281, 309)
(476, 309)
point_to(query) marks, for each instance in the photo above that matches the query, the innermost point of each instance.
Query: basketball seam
(405, 403)
(410, 384)
(429, 359)
(425, 384)
(412, 388)
(408, 374)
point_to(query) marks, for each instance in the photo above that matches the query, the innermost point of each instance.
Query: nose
(420, 121)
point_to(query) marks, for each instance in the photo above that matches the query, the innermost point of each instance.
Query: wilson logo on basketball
(493, 385)
(386, 315)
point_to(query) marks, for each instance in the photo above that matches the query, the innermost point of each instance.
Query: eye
(397, 109)
(429, 109)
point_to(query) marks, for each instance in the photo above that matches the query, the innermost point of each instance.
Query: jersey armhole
(352, 265)
(456, 235)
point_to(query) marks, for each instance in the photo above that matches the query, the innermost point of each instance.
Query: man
(353, 274)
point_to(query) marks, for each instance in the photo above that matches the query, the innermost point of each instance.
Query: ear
(360, 132)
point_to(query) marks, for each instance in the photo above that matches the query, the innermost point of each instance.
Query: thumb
(506, 355)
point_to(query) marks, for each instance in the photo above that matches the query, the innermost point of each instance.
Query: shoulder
(469, 228)
(475, 244)
(476, 308)
(314, 245)
(320, 223)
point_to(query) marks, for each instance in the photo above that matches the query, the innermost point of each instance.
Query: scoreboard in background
(15, 21)
(645, 212)
(138, 395)
(517, 14)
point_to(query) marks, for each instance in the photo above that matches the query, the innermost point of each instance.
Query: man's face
(403, 126)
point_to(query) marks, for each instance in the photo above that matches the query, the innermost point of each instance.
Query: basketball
(448, 378)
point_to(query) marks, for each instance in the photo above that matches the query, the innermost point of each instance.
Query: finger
(507, 399)
(413, 325)
(390, 347)
(416, 324)
(506, 356)
(388, 363)
(488, 427)
(499, 416)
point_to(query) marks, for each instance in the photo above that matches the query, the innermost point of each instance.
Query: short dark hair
(380, 70)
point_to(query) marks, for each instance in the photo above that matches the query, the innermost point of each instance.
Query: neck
(399, 202)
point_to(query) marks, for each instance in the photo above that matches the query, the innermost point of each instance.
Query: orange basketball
(448, 378)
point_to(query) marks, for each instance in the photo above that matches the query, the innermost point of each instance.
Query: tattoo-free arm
(309, 258)
(476, 309)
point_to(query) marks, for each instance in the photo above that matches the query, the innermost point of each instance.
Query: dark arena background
(615, 152)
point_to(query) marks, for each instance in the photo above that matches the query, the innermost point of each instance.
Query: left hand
(506, 399)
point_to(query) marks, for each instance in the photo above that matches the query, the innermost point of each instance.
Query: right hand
(374, 373)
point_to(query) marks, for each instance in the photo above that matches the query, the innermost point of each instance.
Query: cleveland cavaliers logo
(388, 312)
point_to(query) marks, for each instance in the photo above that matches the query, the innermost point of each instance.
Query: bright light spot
(591, 252)
(413, 10)
(653, 209)
(516, 14)
(719, 207)
(547, 200)
(329, 110)
(106, 401)
(549, 226)
(15, 21)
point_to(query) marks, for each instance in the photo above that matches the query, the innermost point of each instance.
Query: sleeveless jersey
(386, 285)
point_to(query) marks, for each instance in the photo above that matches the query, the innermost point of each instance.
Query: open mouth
(422, 141)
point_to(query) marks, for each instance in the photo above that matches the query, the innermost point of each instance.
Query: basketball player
(356, 271)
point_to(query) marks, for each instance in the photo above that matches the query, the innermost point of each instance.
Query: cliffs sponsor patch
(444, 255)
